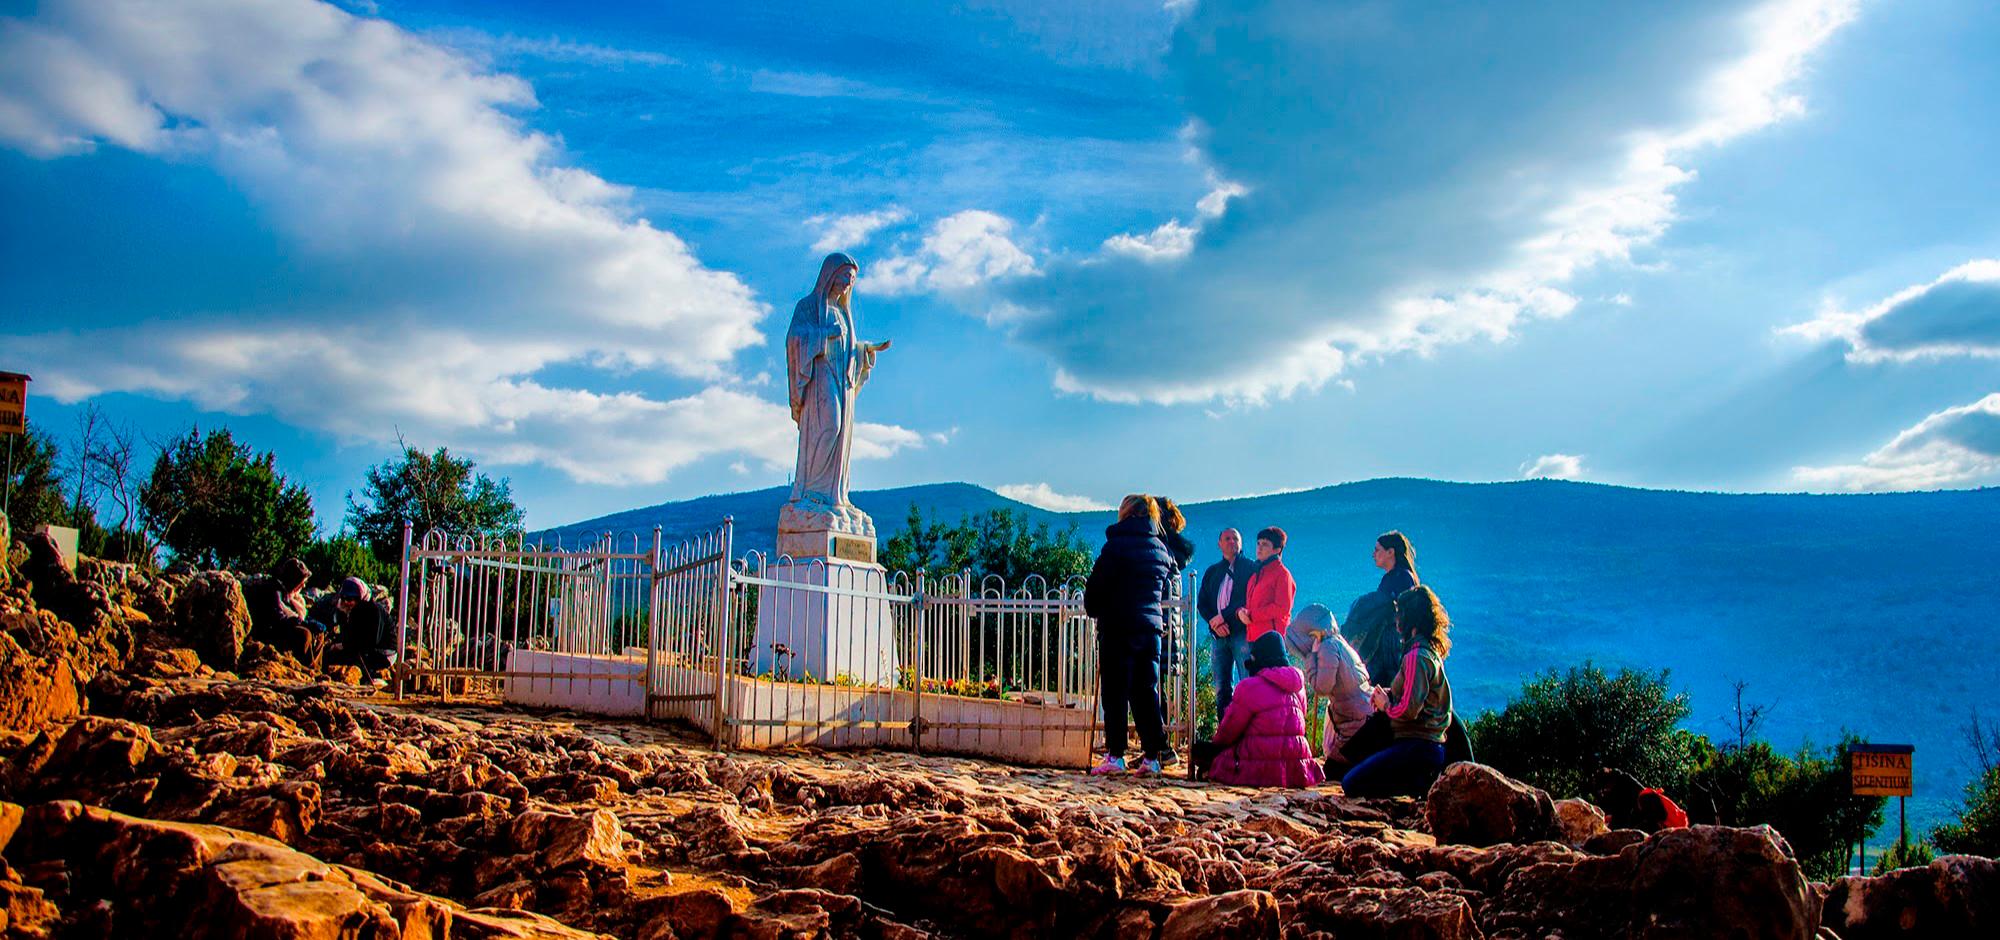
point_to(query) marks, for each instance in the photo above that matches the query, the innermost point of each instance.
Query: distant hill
(756, 513)
(1875, 613)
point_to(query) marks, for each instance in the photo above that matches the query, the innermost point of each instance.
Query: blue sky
(1200, 248)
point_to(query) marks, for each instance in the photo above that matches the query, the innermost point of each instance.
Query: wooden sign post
(1882, 770)
(13, 424)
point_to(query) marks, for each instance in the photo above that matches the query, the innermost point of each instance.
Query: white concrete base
(767, 714)
(598, 685)
(830, 635)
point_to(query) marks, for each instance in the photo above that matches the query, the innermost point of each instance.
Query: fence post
(403, 613)
(917, 670)
(652, 624)
(721, 623)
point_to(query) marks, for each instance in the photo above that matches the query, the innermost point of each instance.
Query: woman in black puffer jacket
(1124, 593)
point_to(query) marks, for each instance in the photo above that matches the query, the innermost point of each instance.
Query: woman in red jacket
(1267, 605)
(1261, 741)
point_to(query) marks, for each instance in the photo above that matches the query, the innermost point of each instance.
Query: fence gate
(538, 624)
(688, 647)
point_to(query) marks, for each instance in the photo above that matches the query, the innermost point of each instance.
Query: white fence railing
(761, 652)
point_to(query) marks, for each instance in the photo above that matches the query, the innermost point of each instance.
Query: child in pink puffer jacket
(1262, 737)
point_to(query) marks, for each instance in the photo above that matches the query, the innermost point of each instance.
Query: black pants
(1375, 736)
(1129, 678)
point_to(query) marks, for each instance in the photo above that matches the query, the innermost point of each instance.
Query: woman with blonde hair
(1417, 703)
(1127, 586)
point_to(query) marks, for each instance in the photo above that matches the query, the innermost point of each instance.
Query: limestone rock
(211, 615)
(182, 879)
(1577, 822)
(1954, 896)
(34, 690)
(1385, 913)
(1703, 881)
(594, 838)
(1245, 914)
(1473, 804)
(1613, 842)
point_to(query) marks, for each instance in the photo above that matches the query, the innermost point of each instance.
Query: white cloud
(961, 251)
(552, 49)
(1553, 467)
(847, 232)
(1432, 202)
(1041, 494)
(1956, 446)
(487, 259)
(1956, 315)
(1170, 241)
(1217, 201)
(1173, 240)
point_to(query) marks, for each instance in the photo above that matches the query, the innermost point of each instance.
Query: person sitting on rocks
(1261, 740)
(278, 613)
(1632, 805)
(363, 630)
(1417, 703)
(1335, 673)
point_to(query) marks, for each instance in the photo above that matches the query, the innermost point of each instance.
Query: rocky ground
(163, 775)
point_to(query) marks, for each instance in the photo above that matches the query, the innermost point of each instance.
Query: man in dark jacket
(1126, 587)
(1230, 644)
(278, 612)
(363, 630)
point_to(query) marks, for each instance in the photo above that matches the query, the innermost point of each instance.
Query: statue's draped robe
(826, 364)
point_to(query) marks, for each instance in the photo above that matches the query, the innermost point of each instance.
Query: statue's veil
(809, 320)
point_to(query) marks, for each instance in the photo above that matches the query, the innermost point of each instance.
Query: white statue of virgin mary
(826, 364)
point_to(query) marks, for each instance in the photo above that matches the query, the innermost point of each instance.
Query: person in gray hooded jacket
(1334, 673)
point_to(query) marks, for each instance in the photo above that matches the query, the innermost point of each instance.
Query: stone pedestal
(819, 530)
(831, 618)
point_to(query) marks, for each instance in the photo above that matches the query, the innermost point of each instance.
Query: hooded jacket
(1333, 672)
(1263, 734)
(1128, 582)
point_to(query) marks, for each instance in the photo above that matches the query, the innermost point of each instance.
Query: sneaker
(379, 683)
(1147, 768)
(1110, 765)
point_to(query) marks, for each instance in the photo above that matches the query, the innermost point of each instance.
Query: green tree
(435, 491)
(1805, 796)
(215, 502)
(35, 482)
(1563, 727)
(1976, 831)
(995, 542)
(343, 556)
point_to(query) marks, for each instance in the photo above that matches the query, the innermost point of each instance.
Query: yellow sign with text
(1880, 772)
(13, 405)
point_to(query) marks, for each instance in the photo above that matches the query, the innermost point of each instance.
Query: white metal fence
(762, 651)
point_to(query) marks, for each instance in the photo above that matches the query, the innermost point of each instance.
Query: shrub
(1804, 796)
(1977, 829)
(1563, 727)
(1912, 855)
